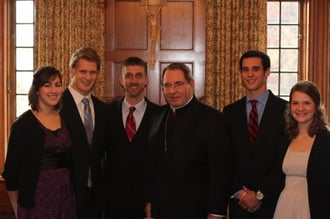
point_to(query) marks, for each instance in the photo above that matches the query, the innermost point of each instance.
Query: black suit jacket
(127, 165)
(318, 174)
(254, 165)
(192, 163)
(82, 155)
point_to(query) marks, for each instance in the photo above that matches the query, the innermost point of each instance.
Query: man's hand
(147, 211)
(248, 200)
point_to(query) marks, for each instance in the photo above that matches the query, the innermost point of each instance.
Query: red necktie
(130, 124)
(253, 121)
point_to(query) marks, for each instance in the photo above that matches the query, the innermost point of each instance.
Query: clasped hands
(248, 201)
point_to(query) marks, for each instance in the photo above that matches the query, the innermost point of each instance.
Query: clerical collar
(179, 107)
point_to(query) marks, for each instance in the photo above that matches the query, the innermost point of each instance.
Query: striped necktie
(253, 121)
(130, 124)
(88, 122)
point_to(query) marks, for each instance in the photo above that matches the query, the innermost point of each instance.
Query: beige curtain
(232, 27)
(62, 26)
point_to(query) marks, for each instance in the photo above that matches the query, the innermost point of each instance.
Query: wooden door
(182, 39)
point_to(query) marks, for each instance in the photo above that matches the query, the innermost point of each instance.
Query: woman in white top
(305, 162)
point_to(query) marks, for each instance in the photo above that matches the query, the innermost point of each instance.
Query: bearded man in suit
(127, 166)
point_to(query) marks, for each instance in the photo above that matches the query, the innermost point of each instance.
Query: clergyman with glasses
(191, 153)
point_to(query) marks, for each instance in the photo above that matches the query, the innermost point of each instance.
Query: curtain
(232, 27)
(62, 26)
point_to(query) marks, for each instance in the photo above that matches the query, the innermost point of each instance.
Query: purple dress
(54, 198)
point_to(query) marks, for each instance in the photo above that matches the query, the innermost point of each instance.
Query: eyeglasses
(177, 84)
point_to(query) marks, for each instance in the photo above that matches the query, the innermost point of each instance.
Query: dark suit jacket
(255, 164)
(318, 174)
(193, 175)
(127, 164)
(82, 155)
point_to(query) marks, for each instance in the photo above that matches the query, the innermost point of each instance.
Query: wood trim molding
(319, 47)
(3, 79)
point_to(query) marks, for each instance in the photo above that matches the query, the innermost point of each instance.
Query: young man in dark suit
(87, 144)
(191, 157)
(254, 195)
(127, 165)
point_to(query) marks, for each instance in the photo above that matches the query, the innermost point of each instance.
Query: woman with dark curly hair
(305, 162)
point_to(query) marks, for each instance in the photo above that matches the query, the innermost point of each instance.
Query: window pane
(274, 59)
(22, 104)
(24, 43)
(287, 82)
(289, 13)
(273, 12)
(24, 59)
(23, 82)
(272, 83)
(24, 11)
(24, 35)
(283, 45)
(289, 36)
(273, 36)
(289, 60)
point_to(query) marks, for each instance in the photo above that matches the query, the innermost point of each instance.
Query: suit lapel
(242, 118)
(73, 116)
(145, 118)
(315, 152)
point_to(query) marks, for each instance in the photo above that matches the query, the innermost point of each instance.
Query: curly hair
(319, 122)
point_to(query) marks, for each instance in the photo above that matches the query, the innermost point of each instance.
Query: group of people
(73, 156)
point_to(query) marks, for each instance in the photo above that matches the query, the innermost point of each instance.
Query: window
(283, 40)
(24, 53)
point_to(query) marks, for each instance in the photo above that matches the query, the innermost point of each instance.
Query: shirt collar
(138, 107)
(77, 96)
(261, 98)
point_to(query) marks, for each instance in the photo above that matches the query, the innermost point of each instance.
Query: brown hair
(42, 76)
(133, 61)
(319, 122)
(87, 53)
(179, 66)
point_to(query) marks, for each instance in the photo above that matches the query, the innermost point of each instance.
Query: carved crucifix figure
(154, 32)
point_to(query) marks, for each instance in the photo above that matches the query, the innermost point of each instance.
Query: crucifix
(154, 31)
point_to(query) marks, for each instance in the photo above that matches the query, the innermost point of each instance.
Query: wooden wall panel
(131, 26)
(177, 23)
(4, 201)
(182, 39)
(318, 55)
